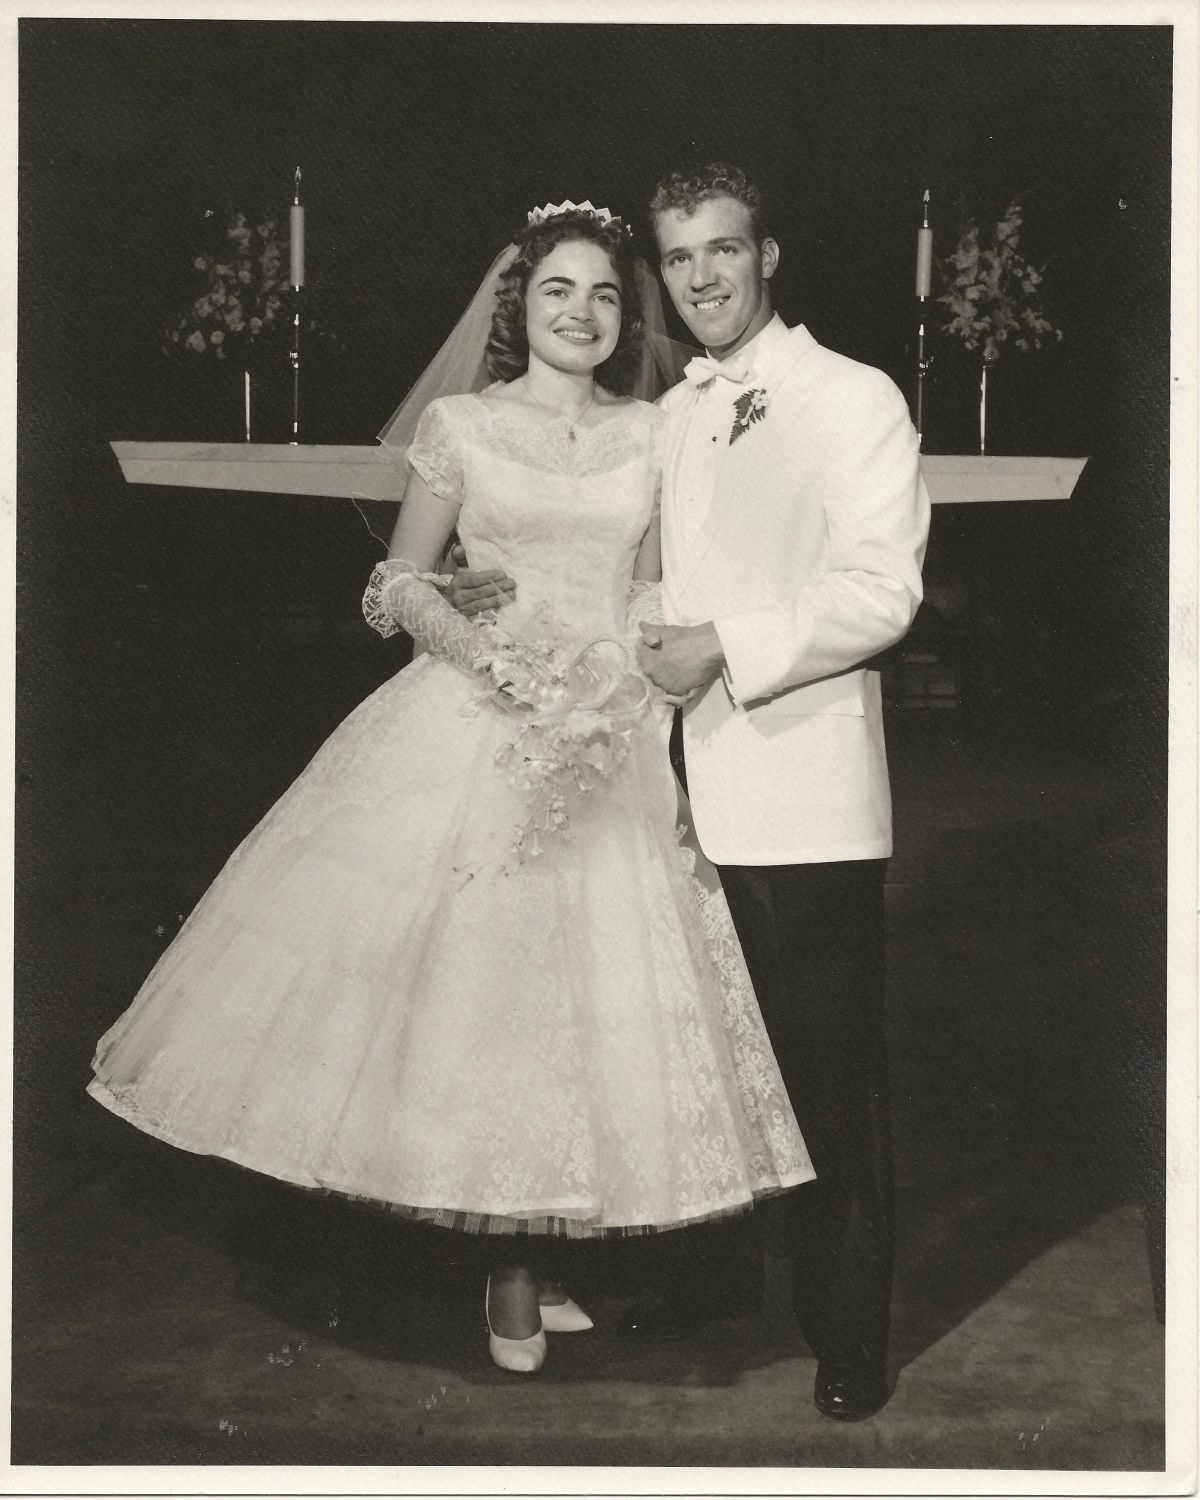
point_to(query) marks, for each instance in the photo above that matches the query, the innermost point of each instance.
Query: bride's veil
(459, 366)
(663, 357)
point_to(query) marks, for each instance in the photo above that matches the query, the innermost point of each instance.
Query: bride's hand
(472, 590)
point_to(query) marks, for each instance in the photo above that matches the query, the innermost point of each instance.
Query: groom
(794, 521)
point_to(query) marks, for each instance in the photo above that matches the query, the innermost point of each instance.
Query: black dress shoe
(849, 1389)
(661, 1320)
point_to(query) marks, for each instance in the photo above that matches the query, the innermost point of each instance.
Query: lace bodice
(561, 515)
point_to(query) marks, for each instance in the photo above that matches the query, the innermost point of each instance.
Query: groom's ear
(770, 258)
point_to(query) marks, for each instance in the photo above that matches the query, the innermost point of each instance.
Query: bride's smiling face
(573, 308)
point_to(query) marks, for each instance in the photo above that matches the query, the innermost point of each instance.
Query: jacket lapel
(678, 424)
(735, 456)
(733, 459)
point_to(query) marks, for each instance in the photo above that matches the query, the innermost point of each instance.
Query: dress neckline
(553, 420)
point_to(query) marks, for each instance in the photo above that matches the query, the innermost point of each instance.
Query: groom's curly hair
(508, 346)
(686, 191)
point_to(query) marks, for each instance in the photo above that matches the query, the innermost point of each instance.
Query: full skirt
(374, 999)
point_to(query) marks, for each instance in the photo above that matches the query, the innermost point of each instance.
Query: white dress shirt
(708, 427)
(712, 420)
(711, 423)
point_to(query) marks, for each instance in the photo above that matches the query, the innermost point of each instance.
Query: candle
(296, 225)
(247, 375)
(925, 254)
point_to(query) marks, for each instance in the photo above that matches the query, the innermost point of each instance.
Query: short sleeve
(436, 453)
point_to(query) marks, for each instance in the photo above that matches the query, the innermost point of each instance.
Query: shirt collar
(762, 354)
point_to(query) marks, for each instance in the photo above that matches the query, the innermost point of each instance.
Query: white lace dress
(368, 1001)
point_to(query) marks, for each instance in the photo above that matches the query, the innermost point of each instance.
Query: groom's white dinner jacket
(806, 554)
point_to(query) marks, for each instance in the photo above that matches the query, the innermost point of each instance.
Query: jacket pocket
(843, 694)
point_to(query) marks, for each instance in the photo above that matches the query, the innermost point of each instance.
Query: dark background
(183, 653)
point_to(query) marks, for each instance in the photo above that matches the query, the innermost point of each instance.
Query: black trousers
(813, 937)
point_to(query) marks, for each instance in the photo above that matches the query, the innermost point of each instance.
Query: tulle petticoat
(365, 1003)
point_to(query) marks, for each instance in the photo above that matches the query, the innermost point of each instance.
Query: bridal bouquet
(575, 710)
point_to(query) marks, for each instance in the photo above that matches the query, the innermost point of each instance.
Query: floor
(171, 1310)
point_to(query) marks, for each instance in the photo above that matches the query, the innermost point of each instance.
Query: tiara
(552, 210)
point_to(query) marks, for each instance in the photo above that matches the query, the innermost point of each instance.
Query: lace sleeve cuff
(379, 603)
(643, 604)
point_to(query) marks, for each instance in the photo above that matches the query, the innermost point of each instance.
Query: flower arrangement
(994, 293)
(240, 291)
(240, 299)
(575, 709)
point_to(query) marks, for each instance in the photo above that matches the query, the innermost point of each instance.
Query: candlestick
(924, 291)
(983, 409)
(247, 376)
(296, 230)
(297, 241)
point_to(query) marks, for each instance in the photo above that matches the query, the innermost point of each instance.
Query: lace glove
(643, 602)
(398, 597)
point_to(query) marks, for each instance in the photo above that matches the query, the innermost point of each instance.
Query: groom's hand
(473, 590)
(680, 659)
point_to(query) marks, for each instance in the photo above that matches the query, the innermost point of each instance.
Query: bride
(465, 967)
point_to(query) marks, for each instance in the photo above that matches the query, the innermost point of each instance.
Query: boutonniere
(750, 407)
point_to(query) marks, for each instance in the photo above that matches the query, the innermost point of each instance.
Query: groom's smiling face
(716, 272)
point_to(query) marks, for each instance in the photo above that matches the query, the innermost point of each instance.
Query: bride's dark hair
(508, 347)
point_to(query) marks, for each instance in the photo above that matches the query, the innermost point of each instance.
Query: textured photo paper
(184, 647)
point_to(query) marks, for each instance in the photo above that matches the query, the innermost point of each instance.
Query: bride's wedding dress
(373, 999)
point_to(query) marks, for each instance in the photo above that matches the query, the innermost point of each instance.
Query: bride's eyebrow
(597, 286)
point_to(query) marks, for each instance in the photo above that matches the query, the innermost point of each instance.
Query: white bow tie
(701, 370)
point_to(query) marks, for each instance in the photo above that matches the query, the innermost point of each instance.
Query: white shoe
(525, 1356)
(564, 1317)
